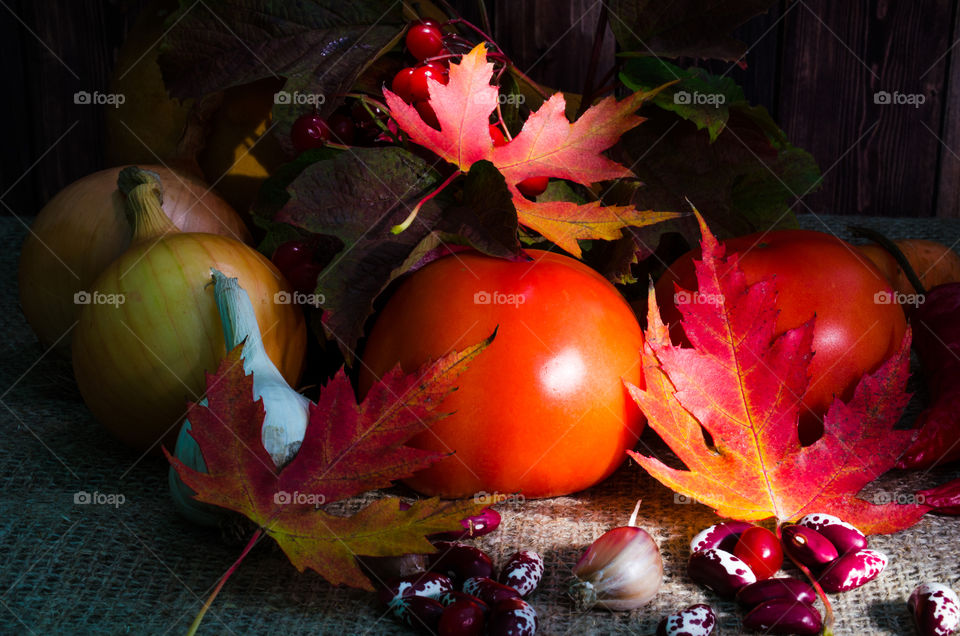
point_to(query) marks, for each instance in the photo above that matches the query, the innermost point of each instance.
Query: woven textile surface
(139, 568)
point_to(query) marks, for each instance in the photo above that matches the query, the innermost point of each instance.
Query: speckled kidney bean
(420, 612)
(720, 571)
(523, 571)
(808, 546)
(696, 620)
(478, 525)
(512, 617)
(844, 536)
(722, 536)
(427, 584)
(784, 616)
(461, 618)
(460, 561)
(935, 609)
(488, 590)
(852, 570)
(770, 589)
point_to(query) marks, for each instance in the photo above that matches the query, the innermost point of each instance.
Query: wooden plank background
(816, 65)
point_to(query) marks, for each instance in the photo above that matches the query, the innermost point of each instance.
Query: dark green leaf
(486, 218)
(698, 96)
(683, 28)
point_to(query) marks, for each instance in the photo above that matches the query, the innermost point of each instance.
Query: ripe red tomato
(816, 274)
(760, 549)
(542, 411)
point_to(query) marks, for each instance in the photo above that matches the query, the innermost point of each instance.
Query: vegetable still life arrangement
(452, 295)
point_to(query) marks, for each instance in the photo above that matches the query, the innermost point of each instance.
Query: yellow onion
(151, 329)
(83, 229)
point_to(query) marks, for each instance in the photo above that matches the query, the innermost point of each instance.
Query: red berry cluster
(424, 41)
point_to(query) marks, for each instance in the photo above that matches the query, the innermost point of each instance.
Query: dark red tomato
(815, 274)
(760, 549)
(543, 410)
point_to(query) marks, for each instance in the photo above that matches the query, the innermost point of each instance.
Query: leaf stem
(828, 608)
(397, 229)
(893, 250)
(203, 610)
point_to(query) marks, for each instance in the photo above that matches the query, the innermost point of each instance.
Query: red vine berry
(427, 114)
(497, 136)
(424, 40)
(533, 187)
(295, 261)
(309, 131)
(418, 80)
(401, 84)
(341, 128)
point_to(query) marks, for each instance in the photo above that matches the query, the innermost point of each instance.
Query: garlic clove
(621, 570)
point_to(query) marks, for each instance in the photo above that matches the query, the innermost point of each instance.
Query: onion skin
(83, 229)
(138, 363)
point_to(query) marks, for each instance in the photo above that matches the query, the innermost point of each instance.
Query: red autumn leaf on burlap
(547, 146)
(347, 449)
(742, 384)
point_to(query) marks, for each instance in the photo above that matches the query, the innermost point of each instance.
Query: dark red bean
(784, 616)
(461, 618)
(420, 612)
(523, 571)
(696, 620)
(476, 526)
(808, 546)
(852, 570)
(844, 536)
(935, 609)
(451, 597)
(720, 571)
(428, 584)
(512, 617)
(460, 561)
(488, 590)
(769, 589)
(722, 536)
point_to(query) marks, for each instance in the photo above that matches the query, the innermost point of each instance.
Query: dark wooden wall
(816, 65)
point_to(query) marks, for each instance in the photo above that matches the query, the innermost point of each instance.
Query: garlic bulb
(286, 411)
(621, 570)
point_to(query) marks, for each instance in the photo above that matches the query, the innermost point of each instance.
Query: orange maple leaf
(742, 384)
(547, 146)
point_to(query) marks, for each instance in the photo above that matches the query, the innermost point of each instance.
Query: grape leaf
(547, 145)
(698, 96)
(357, 197)
(319, 47)
(347, 449)
(683, 28)
(742, 385)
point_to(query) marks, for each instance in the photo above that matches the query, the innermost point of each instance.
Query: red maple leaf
(547, 146)
(742, 384)
(347, 449)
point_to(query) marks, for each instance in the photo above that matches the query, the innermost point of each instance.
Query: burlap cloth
(139, 568)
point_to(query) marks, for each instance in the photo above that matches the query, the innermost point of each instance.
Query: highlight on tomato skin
(543, 411)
